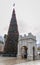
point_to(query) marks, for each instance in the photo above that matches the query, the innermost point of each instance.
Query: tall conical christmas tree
(11, 43)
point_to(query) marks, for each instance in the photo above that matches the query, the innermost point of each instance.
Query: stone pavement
(10, 61)
(37, 62)
(15, 61)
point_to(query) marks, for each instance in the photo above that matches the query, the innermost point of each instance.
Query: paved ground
(30, 63)
(10, 61)
(15, 61)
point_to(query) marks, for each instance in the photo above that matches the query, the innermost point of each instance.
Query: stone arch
(24, 51)
(33, 52)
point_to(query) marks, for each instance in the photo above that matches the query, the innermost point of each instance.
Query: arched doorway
(24, 51)
(33, 53)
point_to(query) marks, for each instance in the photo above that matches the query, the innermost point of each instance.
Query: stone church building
(27, 47)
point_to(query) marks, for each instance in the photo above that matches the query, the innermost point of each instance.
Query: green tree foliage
(11, 43)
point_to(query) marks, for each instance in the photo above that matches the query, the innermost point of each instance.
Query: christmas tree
(11, 43)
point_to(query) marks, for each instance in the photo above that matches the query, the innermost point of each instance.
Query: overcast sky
(27, 14)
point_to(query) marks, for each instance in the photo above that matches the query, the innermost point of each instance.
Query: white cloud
(27, 13)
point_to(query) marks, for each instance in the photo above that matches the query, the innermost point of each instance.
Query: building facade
(27, 47)
(1, 45)
(38, 48)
